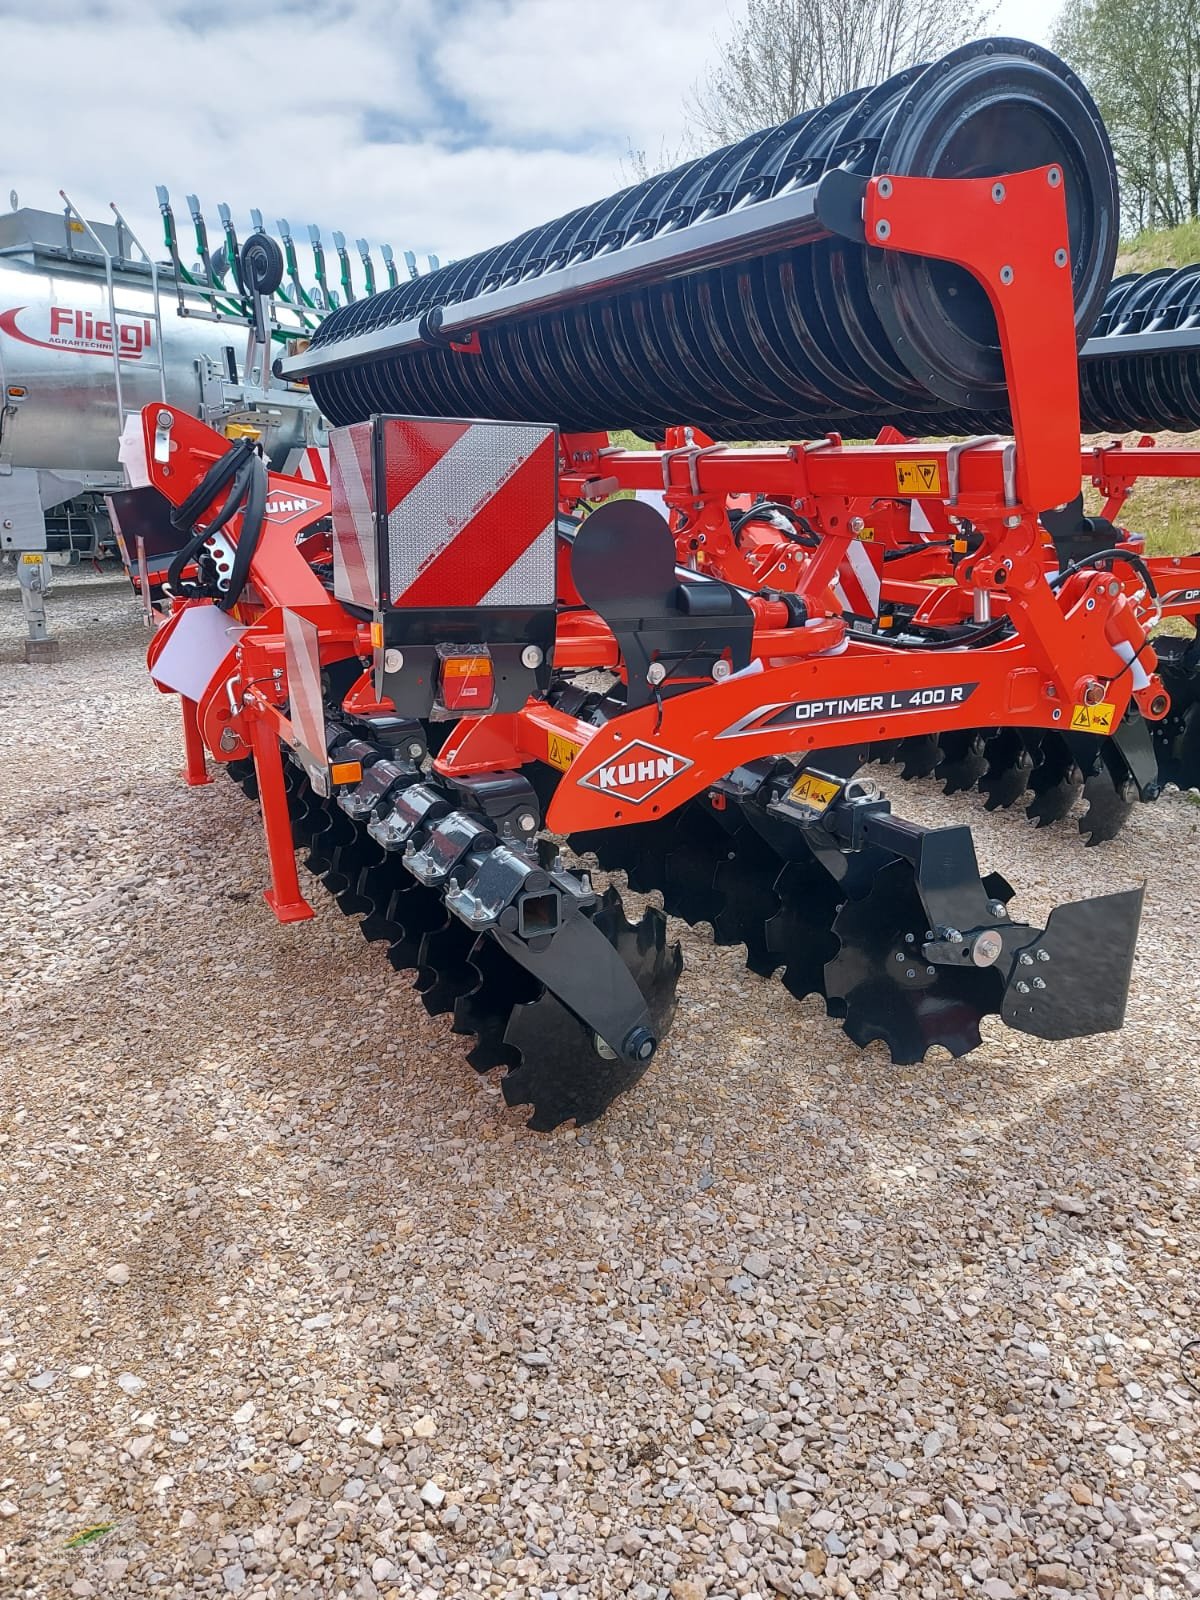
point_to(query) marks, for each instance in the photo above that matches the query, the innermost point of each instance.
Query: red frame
(1064, 654)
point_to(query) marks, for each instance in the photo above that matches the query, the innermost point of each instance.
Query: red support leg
(283, 897)
(195, 768)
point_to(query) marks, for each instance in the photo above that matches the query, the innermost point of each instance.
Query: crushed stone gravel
(292, 1305)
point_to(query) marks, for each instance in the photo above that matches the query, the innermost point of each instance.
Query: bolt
(882, 228)
(899, 955)
(531, 656)
(953, 935)
(1054, 177)
(910, 938)
(415, 751)
(1039, 983)
(527, 822)
(164, 419)
(1022, 988)
(987, 948)
(1006, 274)
(1043, 955)
(393, 660)
(910, 973)
(1011, 522)
(640, 1044)
(997, 908)
(884, 187)
(1026, 959)
(1055, 715)
(998, 193)
(856, 524)
(655, 673)
(721, 670)
(930, 971)
(1060, 258)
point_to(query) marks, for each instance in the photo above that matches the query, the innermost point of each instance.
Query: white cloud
(434, 125)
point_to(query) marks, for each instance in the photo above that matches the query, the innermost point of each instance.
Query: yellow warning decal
(1094, 719)
(32, 557)
(813, 792)
(918, 477)
(561, 752)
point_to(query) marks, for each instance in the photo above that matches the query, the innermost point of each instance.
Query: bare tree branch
(786, 56)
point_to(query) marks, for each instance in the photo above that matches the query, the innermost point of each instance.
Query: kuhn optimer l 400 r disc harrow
(474, 666)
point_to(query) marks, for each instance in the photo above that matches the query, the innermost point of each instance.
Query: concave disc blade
(1109, 801)
(889, 991)
(561, 1071)
(919, 755)
(744, 884)
(964, 760)
(444, 970)
(800, 932)
(1056, 781)
(1008, 769)
(500, 983)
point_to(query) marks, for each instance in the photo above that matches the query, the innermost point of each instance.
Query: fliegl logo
(636, 773)
(67, 328)
(287, 507)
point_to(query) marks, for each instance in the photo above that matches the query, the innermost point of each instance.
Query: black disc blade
(1109, 801)
(444, 970)
(563, 1071)
(800, 931)
(889, 992)
(964, 760)
(744, 885)
(1009, 764)
(1056, 781)
(500, 984)
(919, 756)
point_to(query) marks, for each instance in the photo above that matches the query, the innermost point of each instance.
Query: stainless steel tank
(60, 410)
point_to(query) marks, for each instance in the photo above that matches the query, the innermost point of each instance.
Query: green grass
(1167, 247)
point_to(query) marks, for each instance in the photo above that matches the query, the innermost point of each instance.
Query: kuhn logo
(636, 772)
(285, 508)
(66, 328)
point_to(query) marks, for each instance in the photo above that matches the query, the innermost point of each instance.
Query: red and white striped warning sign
(355, 559)
(470, 512)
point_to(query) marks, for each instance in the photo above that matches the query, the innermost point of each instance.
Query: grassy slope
(1167, 513)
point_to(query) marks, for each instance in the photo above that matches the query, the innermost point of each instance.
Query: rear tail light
(468, 678)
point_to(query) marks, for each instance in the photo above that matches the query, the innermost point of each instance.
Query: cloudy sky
(440, 125)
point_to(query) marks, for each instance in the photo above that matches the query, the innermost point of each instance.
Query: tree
(1142, 64)
(785, 56)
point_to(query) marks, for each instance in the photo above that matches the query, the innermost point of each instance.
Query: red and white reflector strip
(471, 512)
(355, 555)
(302, 660)
(859, 580)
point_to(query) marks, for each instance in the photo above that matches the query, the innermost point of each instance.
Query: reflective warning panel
(470, 512)
(351, 484)
(434, 514)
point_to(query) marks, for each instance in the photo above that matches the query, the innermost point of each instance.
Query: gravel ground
(292, 1305)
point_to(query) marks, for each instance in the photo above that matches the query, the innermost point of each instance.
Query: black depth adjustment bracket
(506, 799)
(412, 809)
(379, 784)
(400, 738)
